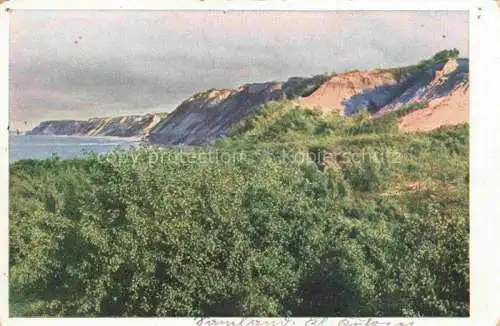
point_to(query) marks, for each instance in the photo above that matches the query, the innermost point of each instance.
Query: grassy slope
(376, 223)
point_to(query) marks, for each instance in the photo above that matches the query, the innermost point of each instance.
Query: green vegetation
(162, 115)
(285, 122)
(307, 86)
(437, 58)
(296, 214)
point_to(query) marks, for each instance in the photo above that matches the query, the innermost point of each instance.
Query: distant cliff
(126, 126)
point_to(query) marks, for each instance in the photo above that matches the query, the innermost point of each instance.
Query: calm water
(41, 147)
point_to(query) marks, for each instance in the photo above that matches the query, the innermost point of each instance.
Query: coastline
(129, 139)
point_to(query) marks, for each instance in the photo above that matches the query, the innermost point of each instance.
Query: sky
(82, 64)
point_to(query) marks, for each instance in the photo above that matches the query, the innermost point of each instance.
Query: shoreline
(130, 139)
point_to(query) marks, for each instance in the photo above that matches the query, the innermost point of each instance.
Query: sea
(42, 147)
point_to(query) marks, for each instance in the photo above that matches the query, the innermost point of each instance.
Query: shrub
(268, 235)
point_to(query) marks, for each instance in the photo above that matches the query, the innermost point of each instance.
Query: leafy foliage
(311, 215)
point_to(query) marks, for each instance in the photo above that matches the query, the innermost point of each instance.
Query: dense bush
(310, 215)
(284, 121)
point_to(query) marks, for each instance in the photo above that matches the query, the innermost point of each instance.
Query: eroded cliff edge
(206, 116)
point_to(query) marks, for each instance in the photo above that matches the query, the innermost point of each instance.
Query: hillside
(441, 82)
(126, 126)
(207, 116)
(297, 213)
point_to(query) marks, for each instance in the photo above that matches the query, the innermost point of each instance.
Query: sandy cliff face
(380, 92)
(207, 116)
(204, 117)
(449, 110)
(347, 92)
(127, 126)
(448, 96)
(433, 84)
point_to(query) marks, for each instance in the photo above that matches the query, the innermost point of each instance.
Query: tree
(445, 55)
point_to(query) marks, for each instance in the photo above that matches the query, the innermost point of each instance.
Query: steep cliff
(382, 90)
(126, 126)
(434, 83)
(350, 91)
(206, 116)
(443, 84)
